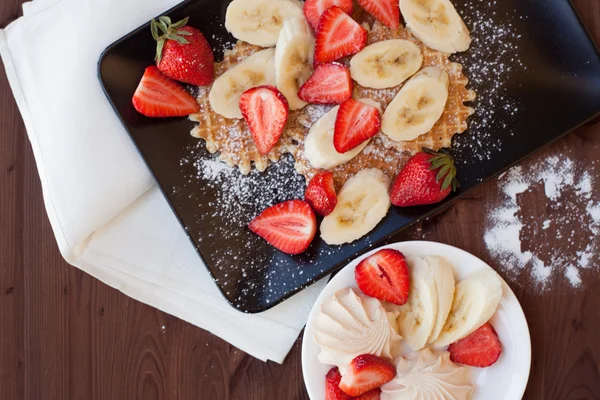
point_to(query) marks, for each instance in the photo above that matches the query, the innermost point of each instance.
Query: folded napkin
(108, 217)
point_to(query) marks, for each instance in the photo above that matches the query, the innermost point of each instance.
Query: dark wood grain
(64, 335)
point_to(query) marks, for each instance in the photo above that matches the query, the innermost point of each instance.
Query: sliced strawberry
(332, 386)
(290, 226)
(355, 123)
(313, 9)
(386, 11)
(329, 84)
(481, 348)
(265, 110)
(374, 394)
(320, 193)
(384, 275)
(338, 36)
(159, 96)
(365, 373)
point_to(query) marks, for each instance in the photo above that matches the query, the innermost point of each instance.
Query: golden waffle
(233, 140)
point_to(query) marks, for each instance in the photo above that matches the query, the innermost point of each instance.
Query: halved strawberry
(159, 96)
(374, 394)
(355, 123)
(481, 348)
(290, 226)
(365, 373)
(320, 193)
(332, 386)
(313, 9)
(338, 36)
(386, 11)
(329, 84)
(265, 110)
(384, 275)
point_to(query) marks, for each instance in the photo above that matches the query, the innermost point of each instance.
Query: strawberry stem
(170, 31)
(443, 163)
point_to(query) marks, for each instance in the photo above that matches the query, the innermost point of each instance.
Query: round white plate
(505, 380)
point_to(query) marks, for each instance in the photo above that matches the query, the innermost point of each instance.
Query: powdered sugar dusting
(521, 243)
(489, 64)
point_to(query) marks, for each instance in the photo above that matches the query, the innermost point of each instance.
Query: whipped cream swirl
(428, 375)
(350, 324)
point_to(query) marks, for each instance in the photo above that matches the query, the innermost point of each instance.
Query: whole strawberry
(427, 178)
(182, 52)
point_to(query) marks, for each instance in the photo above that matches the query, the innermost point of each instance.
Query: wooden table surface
(65, 335)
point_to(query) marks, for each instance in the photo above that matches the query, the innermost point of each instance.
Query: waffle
(233, 140)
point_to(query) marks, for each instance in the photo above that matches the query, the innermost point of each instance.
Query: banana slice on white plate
(417, 106)
(294, 59)
(475, 301)
(445, 284)
(417, 317)
(386, 64)
(363, 202)
(259, 22)
(437, 24)
(318, 144)
(256, 70)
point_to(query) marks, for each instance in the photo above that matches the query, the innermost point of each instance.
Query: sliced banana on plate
(417, 106)
(318, 144)
(417, 317)
(386, 64)
(475, 301)
(437, 24)
(444, 283)
(362, 203)
(256, 70)
(259, 22)
(294, 59)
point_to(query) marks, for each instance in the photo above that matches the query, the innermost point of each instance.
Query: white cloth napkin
(108, 217)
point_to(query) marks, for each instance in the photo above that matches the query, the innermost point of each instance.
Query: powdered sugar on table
(519, 243)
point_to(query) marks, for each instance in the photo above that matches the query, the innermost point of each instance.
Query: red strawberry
(386, 11)
(329, 84)
(159, 96)
(374, 394)
(332, 383)
(313, 9)
(182, 52)
(365, 373)
(290, 226)
(384, 275)
(355, 123)
(427, 178)
(481, 348)
(320, 193)
(338, 36)
(265, 110)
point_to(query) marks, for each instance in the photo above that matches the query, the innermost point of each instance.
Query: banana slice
(437, 24)
(417, 106)
(386, 64)
(418, 316)
(318, 144)
(256, 70)
(294, 59)
(259, 22)
(444, 283)
(362, 203)
(475, 302)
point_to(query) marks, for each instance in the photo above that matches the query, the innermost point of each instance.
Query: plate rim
(508, 294)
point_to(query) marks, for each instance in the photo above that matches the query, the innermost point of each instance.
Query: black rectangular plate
(550, 85)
